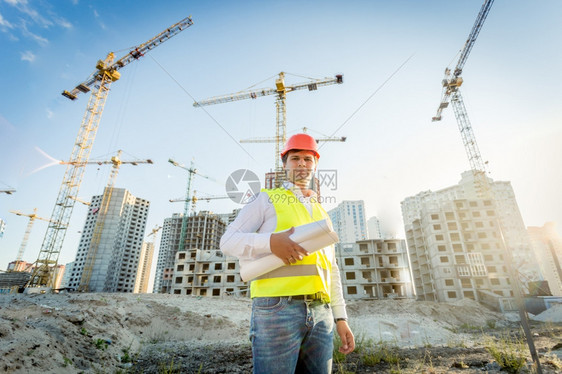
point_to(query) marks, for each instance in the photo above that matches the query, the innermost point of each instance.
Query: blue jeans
(291, 336)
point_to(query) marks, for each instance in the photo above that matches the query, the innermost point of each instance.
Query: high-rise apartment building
(348, 219)
(116, 247)
(374, 228)
(548, 249)
(145, 263)
(228, 218)
(169, 245)
(67, 273)
(455, 243)
(203, 232)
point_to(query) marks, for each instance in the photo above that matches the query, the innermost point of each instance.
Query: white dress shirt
(247, 238)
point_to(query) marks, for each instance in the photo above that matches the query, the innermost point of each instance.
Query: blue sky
(393, 150)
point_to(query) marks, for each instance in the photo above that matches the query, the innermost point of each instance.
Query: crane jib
(136, 53)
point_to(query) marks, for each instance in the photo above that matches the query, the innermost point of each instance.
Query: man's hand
(283, 247)
(346, 336)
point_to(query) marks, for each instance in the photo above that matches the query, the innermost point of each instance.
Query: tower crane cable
(119, 122)
(206, 112)
(370, 97)
(99, 84)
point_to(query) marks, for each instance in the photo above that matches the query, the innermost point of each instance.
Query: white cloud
(23, 7)
(38, 38)
(16, 2)
(97, 17)
(63, 23)
(32, 17)
(49, 113)
(27, 56)
(4, 24)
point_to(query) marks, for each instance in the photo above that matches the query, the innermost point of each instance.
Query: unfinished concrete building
(370, 269)
(203, 231)
(207, 273)
(375, 269)
(117, 248)
(456, 248)
(145, 263)
(456, 253)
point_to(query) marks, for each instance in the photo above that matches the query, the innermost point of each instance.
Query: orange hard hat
(303, 142)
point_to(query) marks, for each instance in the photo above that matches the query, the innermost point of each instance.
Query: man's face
(300, 167)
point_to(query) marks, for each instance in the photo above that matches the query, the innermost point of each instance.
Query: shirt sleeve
(336, 293)
(337, 301)
(244, 238)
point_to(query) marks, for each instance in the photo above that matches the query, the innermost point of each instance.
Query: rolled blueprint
(311, 236)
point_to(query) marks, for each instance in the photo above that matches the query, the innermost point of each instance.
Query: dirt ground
(152, 333)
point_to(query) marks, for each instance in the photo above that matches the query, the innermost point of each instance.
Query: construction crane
(304, 130)
(451, 84)
(99, 82)
(101, 215)
(451, 93)
(87, 203)
(153, 233)
(194, 199)
(280, 91)
(191, 172)
(327, 138)
(8, 191)
(32, 217)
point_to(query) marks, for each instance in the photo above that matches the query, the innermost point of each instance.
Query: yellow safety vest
(308, 276)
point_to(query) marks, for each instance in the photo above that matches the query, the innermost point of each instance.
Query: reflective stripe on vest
(307, 276)
(293, 271)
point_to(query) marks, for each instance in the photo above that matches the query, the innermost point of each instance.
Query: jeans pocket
(264, 305)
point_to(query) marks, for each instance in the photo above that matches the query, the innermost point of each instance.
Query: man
(295, 307)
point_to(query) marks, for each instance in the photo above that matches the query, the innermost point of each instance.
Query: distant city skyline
(392, 151)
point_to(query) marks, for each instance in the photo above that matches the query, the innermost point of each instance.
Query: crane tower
(191, 172)
(280, 91)
(451, 94)
(99, 82)
(32, 217)
(451, 84)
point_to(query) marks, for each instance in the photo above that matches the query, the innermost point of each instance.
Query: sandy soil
(130, 333)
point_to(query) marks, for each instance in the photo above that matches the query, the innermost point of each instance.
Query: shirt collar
(296, 190)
